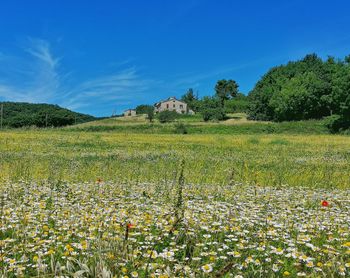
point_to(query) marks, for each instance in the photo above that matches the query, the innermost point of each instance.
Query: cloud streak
(37, 77)
(119, 87)
(41, 50)
(34, 79)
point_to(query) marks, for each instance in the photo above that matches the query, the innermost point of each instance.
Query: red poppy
(130, 226)
(325, 203)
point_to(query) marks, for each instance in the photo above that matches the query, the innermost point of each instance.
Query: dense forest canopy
(17, 114)
(307, 89)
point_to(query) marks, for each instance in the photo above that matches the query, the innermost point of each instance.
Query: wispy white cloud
(32, 79)
(124, 86)
(38, 77)
(41, 50)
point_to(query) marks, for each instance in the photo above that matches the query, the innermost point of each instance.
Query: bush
(238, 104)
(144, 109)
(269, 128)
(217, 114)
(167, 116)
(180, 128)
(150, 115)
(337, 123)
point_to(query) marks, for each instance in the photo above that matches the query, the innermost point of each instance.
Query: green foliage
(17, 115)
(214, 114)
(297, 127)
(167, 116)
(238, 104)
(190, 99)
(337, 123)
(211, 109)
(226, 89)
(307, 89)
(144, 109)
(180, 128)
(226, 99)
(150, 115)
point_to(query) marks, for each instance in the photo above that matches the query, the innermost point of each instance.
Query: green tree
(190, 99)
(238, 104)
(144, 109)
(307, 89)
(211, 109)
(167, 116)
(150, 115)
(347, 59)
(226, 89)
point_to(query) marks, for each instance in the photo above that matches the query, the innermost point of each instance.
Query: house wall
(172, 105)
(129, 113)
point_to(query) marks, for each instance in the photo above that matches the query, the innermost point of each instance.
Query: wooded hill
(18, 114)
(307, 89)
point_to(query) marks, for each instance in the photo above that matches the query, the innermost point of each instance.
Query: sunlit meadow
(141, 205)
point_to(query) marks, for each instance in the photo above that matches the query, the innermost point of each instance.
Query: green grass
(137, 200)
(267, 159)
(235, 125)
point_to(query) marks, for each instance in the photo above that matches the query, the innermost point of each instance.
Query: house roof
(169, 99)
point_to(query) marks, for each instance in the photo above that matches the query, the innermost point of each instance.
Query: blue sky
(99, 56)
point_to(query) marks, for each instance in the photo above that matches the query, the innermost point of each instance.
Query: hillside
(236, 123)
(19, 114)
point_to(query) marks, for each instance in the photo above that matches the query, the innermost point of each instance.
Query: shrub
(337, 123)
(217, 114)
(150, 115)
(180, 128)
(144, 109)
(167, 116)
(238, 104)
(269, 128)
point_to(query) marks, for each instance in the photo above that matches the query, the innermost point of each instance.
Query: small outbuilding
(129, 113)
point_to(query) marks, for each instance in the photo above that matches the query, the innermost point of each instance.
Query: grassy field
(125, 202)
(276, 160)
(235, 124)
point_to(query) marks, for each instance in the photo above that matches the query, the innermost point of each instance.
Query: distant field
(235, 124)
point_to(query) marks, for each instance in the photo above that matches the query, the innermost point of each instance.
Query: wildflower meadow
(133, 205)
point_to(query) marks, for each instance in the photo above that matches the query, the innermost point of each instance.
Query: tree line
(310, 88)
(17, 114)
(227, 99)
(306, 89)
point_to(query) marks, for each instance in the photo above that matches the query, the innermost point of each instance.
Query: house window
(167, 106)
(181, 106)
(174, 105)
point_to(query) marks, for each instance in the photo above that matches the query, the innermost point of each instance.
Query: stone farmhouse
(129, 112)
(172, 104)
